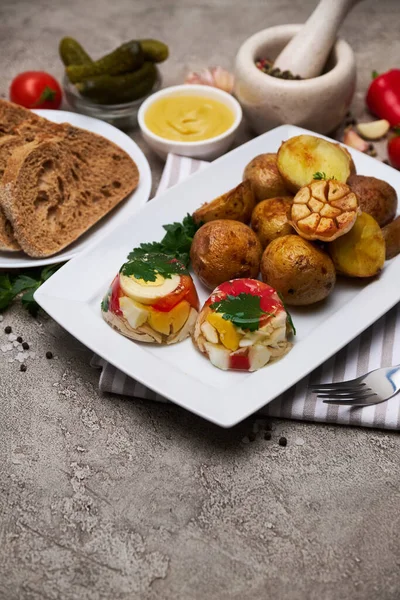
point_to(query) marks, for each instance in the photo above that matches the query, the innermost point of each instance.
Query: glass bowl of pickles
(113, 87)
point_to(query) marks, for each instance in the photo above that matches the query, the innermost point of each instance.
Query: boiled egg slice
(148, 292)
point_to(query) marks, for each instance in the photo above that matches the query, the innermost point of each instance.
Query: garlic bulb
(213, 76)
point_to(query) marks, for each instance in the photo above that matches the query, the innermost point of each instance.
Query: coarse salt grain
(12, 337)
(6, 347)
(299, 442)
(21, 356)
(16, 344)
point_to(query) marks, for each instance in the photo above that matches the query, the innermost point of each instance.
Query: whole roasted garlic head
(324, 210)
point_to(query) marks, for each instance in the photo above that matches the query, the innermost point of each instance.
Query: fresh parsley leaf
(24, 282)
(143, 249)
(321, 175)
(147, 267)
(28, 300)
(6, 292)
(288, 315)
(243, 310)
(11, 286)
(176, 242)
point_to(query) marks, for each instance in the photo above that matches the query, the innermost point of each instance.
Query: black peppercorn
(282, 441)
(7, 329)
(19, 339)
(25, 346)
(252, 437)
(22, 368)
(49, 355)
(267, 435)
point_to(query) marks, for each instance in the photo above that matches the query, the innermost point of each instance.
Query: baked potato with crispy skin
(263, 174)
(391, 234)
(300, 271)
(361, 251)
(237, 204)
(300, 157)
(223, 250)
(270, 219)
(375, 197)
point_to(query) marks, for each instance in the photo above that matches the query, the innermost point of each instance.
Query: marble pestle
(307, 52)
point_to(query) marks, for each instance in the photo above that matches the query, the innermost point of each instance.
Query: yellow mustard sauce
(188, 118)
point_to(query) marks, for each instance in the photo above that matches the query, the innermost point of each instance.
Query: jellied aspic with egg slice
(152, 299)
(243, 326)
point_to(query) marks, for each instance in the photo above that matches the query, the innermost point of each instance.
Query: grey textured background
(108, 498)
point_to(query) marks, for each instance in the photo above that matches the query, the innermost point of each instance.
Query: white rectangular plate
(72, 297)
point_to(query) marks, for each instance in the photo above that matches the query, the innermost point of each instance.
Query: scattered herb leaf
(12, 285)
(147, 267)
(243, 310)
(321, 175)
(288, 315)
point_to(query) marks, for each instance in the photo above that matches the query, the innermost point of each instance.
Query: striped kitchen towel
(378, 346)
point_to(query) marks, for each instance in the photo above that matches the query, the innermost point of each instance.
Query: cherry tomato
(394, 151)
(35, 89)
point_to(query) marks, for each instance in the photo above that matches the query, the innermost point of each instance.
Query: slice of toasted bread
(8, 143)
(53, 191)
(12, 115)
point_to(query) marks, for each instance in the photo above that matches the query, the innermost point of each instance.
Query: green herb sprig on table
(27, 283)
(243, 310)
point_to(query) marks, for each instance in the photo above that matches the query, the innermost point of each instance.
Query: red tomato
(394, 151)
(184, 291)
(35, 89)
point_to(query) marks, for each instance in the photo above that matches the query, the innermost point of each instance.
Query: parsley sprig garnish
(288, 315)
(321, 175)
(176, 242)
(148, 266)
(26, 284)
(243, 310)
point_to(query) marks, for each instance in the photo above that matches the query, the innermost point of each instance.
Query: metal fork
(372, 388)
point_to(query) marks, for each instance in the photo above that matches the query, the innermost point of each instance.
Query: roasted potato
(301, 272)
(223, 250)
(264, 177)
(375, 197)
(361, 251)
(270, 219)
(300, 157)
(391, 234)
(237, 204)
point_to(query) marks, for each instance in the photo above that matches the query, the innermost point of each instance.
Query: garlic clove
(352, 139)
(215, 77)
(374, 130)
(203, 77)
(223, 79)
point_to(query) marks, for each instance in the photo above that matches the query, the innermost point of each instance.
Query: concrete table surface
(107, 498)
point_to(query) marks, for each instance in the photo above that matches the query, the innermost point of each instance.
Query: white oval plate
(139, 197)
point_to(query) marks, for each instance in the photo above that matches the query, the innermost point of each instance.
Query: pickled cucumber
(118, 89)
(127, 57)
(154, 50)
(72, 53)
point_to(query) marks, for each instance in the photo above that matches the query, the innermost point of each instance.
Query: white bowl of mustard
(191, 120)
